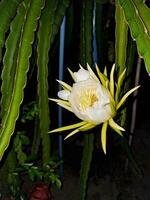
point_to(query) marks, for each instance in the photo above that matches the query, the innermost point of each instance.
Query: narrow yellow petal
(119, 84)
(92, 73)
(102, 77)
(123, 99)
(111, 98)
(121, 77)
(103, 135)
(114, 125)
(72, 74)
(117, 131)
(72, 133)
(65, 128)
(65, 85)
(105, 71)
(87, 126)
(65, 106)
(112, 84)
(60, 101)
(80, 66)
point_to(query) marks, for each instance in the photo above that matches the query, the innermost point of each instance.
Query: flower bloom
(89, 101)
(94, 100)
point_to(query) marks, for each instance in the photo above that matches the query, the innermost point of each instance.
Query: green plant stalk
(144, 12)
(10, 57)
(7, 11)
(42, 61)
(99, 33)
(24, 53)
(86, 163)
(86, 32)
(121, 38)
(49, 25)
(124, 58)
(70, 15)
(86, 57)
(131, 53)
(8, 72)
(138, 19)
(59, 8)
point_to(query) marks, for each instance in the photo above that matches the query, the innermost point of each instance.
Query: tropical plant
(29, 38)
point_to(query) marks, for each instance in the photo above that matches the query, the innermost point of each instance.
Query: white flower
(94, 100)
(90, 101)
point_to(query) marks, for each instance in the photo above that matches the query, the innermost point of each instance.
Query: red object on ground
(40, 192)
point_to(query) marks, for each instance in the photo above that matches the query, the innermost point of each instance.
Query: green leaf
(144, 13)
(57, 11)
(44, 41)
(86, 32)
(24, 53)
(137, 17)
(100, 17)
(121, 38)
(7, 12)
(58, 183)
(10, 60)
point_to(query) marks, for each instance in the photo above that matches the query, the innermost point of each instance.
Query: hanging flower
(94, 100)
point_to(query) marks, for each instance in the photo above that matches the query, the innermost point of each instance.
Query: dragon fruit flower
(94, 100)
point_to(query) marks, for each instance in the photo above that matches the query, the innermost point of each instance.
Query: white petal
(81, 101)
(103, 95)
(99, 115)
(63, 94)
(81, 75)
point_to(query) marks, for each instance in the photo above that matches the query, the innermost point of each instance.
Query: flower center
(87, 99)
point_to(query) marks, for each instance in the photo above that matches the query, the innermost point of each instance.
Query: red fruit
(40, 192)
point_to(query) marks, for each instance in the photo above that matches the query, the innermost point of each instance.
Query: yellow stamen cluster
(87, 100)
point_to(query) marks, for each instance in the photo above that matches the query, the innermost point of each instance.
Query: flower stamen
(88, 99)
